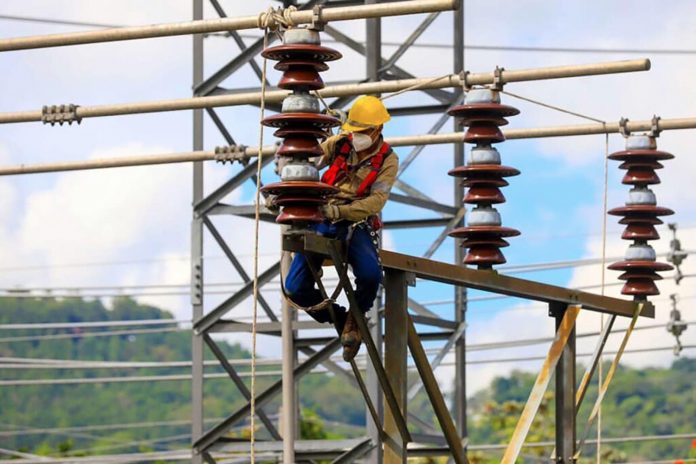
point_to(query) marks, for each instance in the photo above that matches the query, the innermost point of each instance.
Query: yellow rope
(604, 265)
(257, 220)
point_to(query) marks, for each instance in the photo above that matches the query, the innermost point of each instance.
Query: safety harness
(339, 168)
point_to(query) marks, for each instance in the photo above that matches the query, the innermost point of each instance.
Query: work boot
(350, 338)
(323, 315)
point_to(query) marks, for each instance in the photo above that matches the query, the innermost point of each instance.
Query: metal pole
(373, 61)
(288, 415)
(277, 96)
(565, 393)
(197, 251)
(246, 153)
(225, 24)
(395, 351)
(460, 292)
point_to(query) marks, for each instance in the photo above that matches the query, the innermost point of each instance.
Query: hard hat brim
(348, 127)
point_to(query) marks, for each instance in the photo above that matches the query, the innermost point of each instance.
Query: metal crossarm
(491, 281)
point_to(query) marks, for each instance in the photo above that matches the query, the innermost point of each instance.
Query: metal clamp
(231, 153)
(623, 128)
(497, 79)
(464, 80)
(317, 23)
(655, 126)
(60, 114)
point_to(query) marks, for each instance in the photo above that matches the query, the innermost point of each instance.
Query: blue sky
(143, 214)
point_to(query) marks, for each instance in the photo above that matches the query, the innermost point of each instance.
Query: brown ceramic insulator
(484, 256)
(483, 112)
(289, 64)
(483, 182)
(483, 194)
(484, 171)
(299, 214)
(640, 220)
(484, 134)
(640, 277)
(640, 175)
(639, 230)
(301, 78)
(483, 244)
(299, 121)
(299, 189)
(638, 155)
(301, 200)
(647, 211)
(641, 165)
(300, 146)
(289, 131)
(308, 52)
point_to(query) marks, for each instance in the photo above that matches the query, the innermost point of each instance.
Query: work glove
(343, 147)
(269, 203)
(331, 212)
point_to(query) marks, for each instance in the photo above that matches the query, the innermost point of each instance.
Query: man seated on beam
(363, 167)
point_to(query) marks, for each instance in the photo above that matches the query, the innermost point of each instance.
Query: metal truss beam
(208, 441)
(214, 316)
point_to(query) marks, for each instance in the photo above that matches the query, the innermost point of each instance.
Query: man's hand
(331, 212)
(343, 147)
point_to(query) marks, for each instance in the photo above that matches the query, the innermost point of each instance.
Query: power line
(210, 376)
(511, 48)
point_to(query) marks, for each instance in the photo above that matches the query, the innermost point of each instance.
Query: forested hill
(154, 414)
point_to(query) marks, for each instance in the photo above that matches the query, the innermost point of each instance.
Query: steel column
(197, 250)
(395, 351)
(565, 393)
(460, 292)
(289, 409)
(373, 61)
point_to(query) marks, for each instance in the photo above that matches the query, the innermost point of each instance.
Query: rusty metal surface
(565, 328)
(493, 282)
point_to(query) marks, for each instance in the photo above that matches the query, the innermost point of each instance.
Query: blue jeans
(363, 257)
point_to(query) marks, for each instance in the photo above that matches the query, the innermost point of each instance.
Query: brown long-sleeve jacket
(350, 206)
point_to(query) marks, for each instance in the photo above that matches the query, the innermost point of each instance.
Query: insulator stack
(483, 176)
(301, 126)
(640, 215)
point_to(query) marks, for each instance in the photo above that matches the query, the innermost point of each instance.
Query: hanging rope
(604, 266)
(269, 21)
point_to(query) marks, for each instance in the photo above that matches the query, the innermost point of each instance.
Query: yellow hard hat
(367, 112)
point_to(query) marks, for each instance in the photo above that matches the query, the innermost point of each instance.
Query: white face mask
(361, 141)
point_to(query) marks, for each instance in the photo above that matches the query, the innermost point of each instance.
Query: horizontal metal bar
(422, 203)
(417, 110)
(416, 223)
(377, 87)
(434, 321)
(246, 211)
(493, 282)
(207, 26)
(402, 141)
(266, 328)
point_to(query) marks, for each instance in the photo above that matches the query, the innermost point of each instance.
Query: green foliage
(639, 401)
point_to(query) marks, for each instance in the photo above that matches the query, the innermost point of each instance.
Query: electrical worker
(363, 167)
